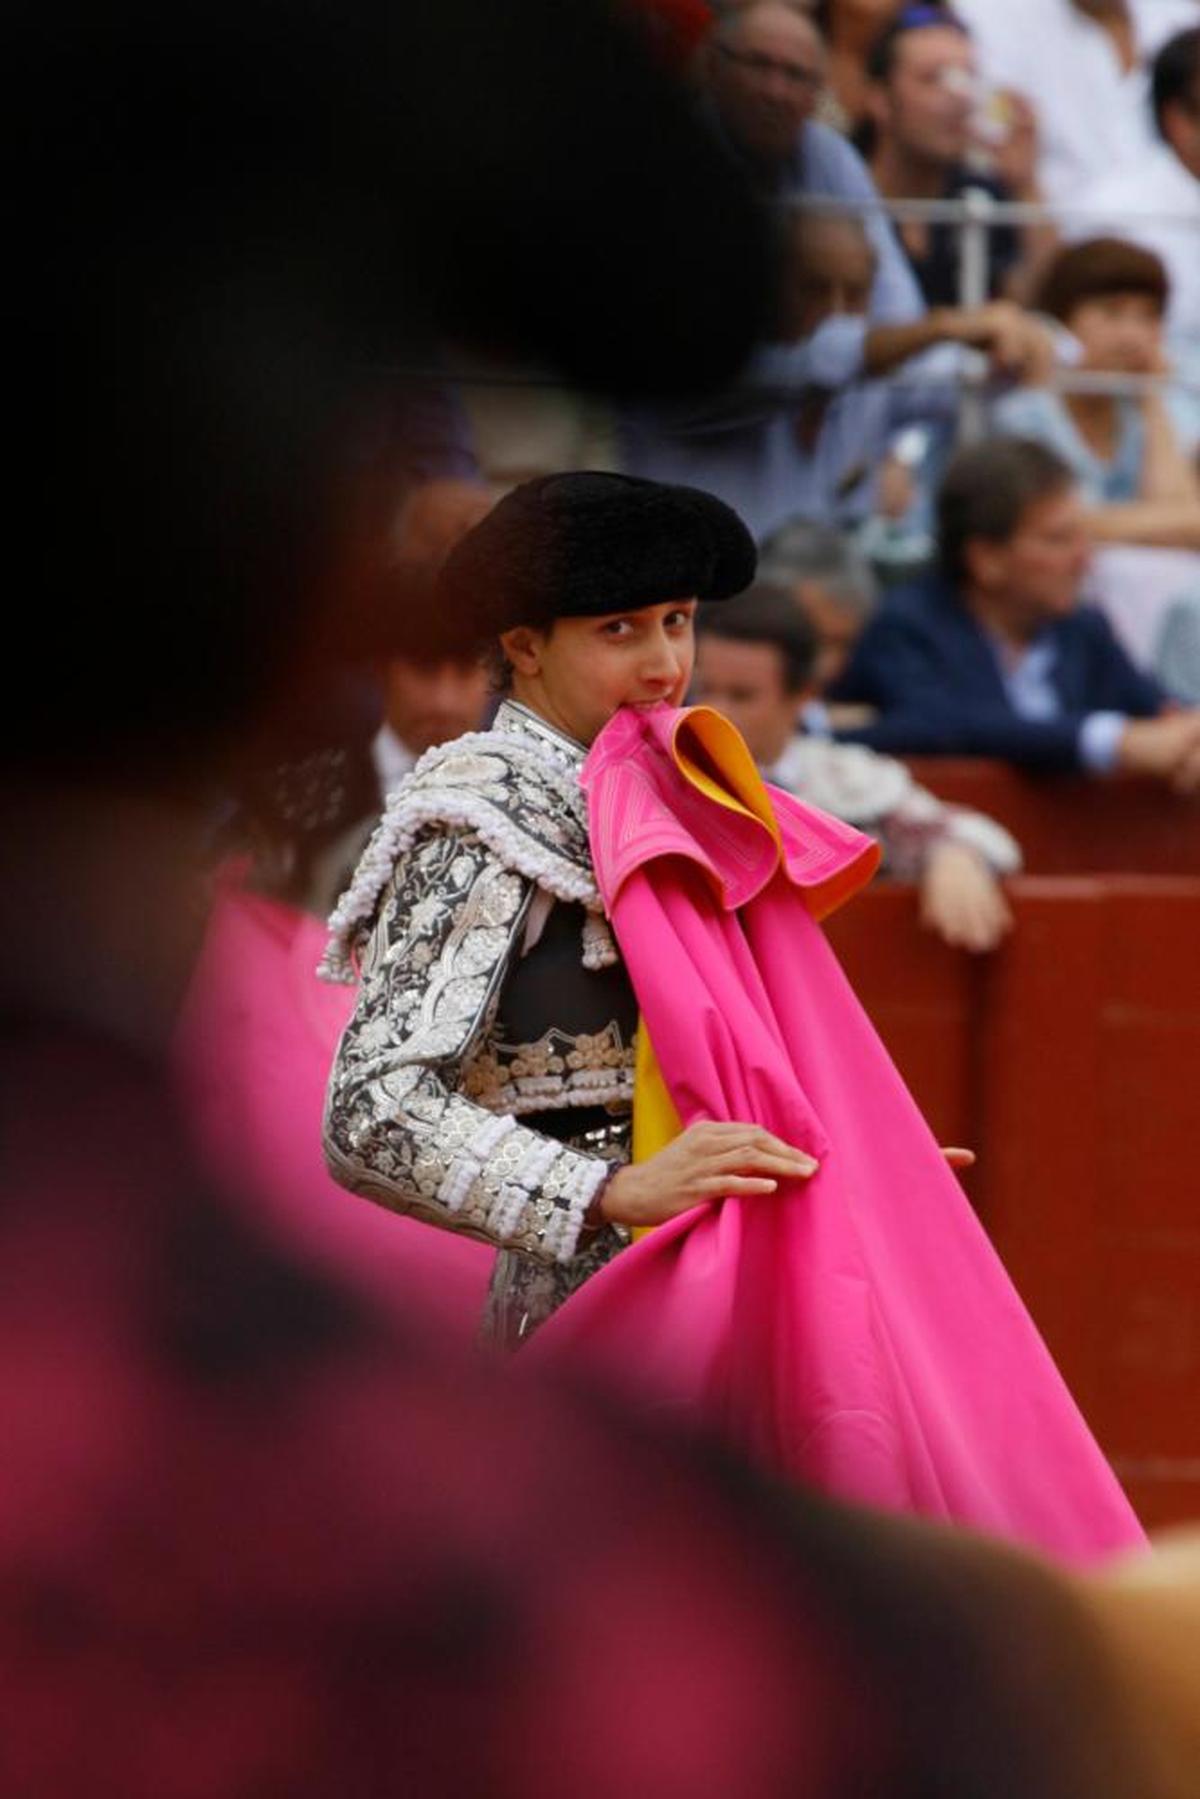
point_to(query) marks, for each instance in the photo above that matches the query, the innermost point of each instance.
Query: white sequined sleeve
(396, 1129)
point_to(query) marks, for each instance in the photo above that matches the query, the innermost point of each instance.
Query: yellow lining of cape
(746, 792)
(655, 1120)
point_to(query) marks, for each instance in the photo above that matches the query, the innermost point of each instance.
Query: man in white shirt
(1139, 203)
(1082, 64)
(425, 703)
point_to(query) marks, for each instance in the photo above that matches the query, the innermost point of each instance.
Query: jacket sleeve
(900, 671)
(1124, 686)
(396, 1129)
(912, 830)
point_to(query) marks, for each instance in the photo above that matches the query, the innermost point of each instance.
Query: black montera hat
(582, 545)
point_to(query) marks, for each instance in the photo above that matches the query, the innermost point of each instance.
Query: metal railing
(977, 213)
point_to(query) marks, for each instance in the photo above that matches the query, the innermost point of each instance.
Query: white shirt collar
(392, 758)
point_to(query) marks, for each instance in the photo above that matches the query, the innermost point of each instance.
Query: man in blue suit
(994, 655)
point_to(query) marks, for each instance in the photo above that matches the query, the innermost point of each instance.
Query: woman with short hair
(1124, 450)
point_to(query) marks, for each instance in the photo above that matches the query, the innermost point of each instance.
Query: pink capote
(251, 1058)
(856, 1330)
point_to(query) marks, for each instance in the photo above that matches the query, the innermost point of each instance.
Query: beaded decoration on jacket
(515, 786)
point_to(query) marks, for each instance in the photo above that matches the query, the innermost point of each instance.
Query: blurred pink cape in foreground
(251, 1060)
(857, 1331)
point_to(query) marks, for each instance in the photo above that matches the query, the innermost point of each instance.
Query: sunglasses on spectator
(757, 64)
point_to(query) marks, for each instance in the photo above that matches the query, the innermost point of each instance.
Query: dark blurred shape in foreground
(229, 220)
(252, 1541)
(255, 1541)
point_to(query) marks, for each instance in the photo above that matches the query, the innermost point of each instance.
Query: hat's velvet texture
(582, 545)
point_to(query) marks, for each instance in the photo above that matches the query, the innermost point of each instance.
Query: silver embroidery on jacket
(423, 1102)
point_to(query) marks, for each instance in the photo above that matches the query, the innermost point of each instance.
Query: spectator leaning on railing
(801, 433)
(775, 445)
(755, 662)
(994, 655)
(429, 694)
(761, 74)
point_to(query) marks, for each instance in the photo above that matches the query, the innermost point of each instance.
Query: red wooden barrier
(1070, 824)
(1071, 1062)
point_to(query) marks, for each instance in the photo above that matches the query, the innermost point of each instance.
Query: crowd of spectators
(260, 1534)
(992, 654)
(974, 481)
(988, 473)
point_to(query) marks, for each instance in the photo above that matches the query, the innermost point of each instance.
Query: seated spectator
(993, 655)
(1126, 454)
(755, 662)
(770, 455)
(432, 694)
(762, 72)
(425, 702)
(1081, 65)
(868, 443)
(921, 137)
(831, 577)
(308, 788)
(831, 583)
(1157, 204)
(794, 438)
